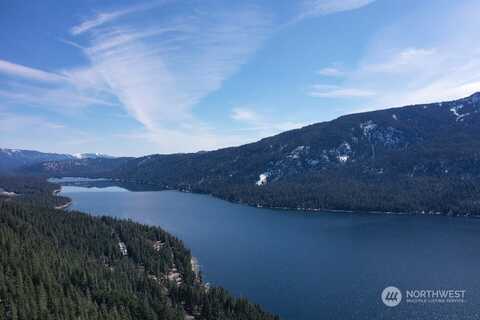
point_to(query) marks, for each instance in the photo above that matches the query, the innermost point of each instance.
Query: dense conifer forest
(418, 159)
(70, 265)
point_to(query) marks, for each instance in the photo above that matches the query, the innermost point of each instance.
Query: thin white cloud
(17, 70)
(244, 114)
(325, 7)
(159, 70)
(257, 126)
(61, 90)
(12, 123)
(331, 72)
(404, 61)
(329, 91)
(400, 68)
(164, 140)
(106, 17)
(13, 131)
(444, 65)
(100, 19)
(62, 99)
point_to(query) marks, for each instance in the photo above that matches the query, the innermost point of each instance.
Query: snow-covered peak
(92, 156)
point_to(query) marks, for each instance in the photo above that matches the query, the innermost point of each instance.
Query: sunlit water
(311, 265)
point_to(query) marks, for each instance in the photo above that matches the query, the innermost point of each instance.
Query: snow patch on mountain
(262, 179)
(455, 110)
(92, 156)
(368, 127)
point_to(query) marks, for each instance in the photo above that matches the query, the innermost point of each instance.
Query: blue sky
(162, 76)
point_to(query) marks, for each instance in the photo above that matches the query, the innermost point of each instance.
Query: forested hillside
(31, 190)
(422, 158)
(69, 265)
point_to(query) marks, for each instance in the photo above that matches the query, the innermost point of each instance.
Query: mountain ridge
(11, 159)
(419, 158)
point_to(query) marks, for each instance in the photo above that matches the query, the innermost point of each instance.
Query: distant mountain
(421, 158)
(86, 167)
(12, 159)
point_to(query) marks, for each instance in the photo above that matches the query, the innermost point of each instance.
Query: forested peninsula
(69, 265)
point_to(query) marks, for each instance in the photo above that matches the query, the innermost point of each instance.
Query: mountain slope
(422, 158)
(87, 167)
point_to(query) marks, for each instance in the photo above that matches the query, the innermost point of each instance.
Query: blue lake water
(312, 265)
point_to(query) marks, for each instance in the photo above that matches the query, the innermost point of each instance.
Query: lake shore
(299, 209)
(64, 206)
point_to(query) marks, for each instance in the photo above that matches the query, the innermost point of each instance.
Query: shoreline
(64, 206)
(298, 209)
(306, 210)
(328, 211)
(55, 193)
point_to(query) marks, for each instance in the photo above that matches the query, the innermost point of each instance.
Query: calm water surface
(311, 265)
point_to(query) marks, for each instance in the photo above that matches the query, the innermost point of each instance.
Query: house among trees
(123, 248)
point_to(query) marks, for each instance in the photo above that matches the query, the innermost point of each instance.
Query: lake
(303, 265)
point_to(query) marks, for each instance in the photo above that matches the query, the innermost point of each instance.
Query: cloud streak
(155, 64)
(324, 7)
(260, 125)
(445, 67)
(399, 68)
(17, 70)
(329, 91)
(331, 72)
(103, 18)
(160, 69)
(62, 91)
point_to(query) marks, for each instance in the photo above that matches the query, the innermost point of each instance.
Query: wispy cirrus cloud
(311, 8)
(331, 91)
(14, 133)
(245, 115)
(160, 69)
(445, 66)
(441, 63)
(63, 99)
(105, 17)
(260, 125)
(62, 90)
(331, 72)
(18, 70)
(159, 59)
(157, 67)
(403, 61)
